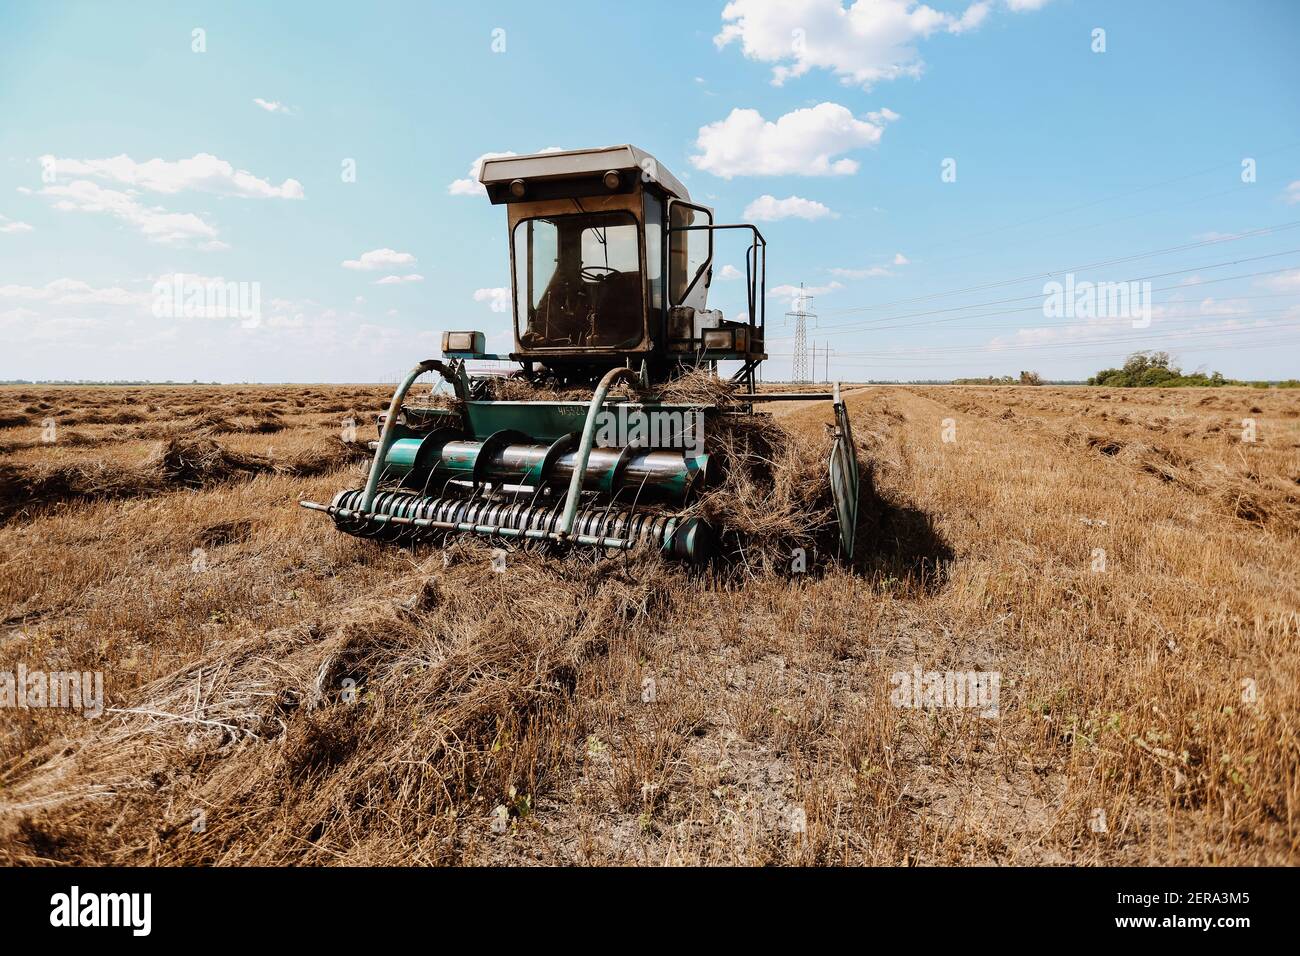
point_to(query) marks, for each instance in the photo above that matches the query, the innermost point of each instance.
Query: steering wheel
(596, 273)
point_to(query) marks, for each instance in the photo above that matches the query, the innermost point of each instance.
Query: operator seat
(618, 309)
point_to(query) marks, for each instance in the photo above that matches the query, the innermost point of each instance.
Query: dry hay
(197, 460)
(25, 489)
(696, 387)
(67, 438)
(210, 421)
(262, 422)
(1265, 502)
(775, 494)
(189, 461)
(370, 732)
(103, 418)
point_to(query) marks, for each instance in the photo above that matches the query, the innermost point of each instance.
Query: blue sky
(126, 156)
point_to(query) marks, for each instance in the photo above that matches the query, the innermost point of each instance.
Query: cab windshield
(578, 281)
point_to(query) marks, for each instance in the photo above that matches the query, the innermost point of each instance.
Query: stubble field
(279, 693)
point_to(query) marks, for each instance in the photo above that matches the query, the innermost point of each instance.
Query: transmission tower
(800, 371)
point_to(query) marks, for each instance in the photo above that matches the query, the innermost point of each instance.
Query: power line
(1097, 202)
(870, 324)
(1263, 231)
(996, 313)
(1110, 221)
(1163, 318)
(1247, 347)
(1178, 334)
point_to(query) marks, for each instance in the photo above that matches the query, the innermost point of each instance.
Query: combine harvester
(610, 268)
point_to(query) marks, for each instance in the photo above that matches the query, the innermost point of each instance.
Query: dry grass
(312, 698)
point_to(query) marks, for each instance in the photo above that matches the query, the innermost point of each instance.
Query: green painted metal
(844, 476)
(390, 424)
(548, 421)
(402, 455)
(584, 447)
(659, 474)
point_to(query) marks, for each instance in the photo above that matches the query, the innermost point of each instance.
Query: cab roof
(500, 171)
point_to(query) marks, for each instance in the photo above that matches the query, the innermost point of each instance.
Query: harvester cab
(610, 266)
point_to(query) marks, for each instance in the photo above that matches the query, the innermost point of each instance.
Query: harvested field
(278, 693)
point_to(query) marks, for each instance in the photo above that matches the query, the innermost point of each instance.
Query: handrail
(390, 423)
(757, 282)
(584, 448)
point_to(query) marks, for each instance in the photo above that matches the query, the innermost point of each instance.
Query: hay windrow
(775, 494)
(195, 461)
(382, 721)
(190, 461)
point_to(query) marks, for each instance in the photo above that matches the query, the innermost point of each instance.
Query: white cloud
(18, 315)
(971, 17)
(498, 299)
(792, 291)
(398, 280)
(203, 172)
(770, 209)
(1212, 306)
(872, 273)
(11, 225)
(1020, 6)
(867, 42)
(1104, 329)
(800, 143)
(272, 106)
(470, 186)
(82, 293)
(1286, 282)
(154, 222)
(63, 292)
(49, 330)
(729, 272)
(1292, 193)
(380, 259)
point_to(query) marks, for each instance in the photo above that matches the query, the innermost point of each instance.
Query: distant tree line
(1156, 370)
(1026, 378)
